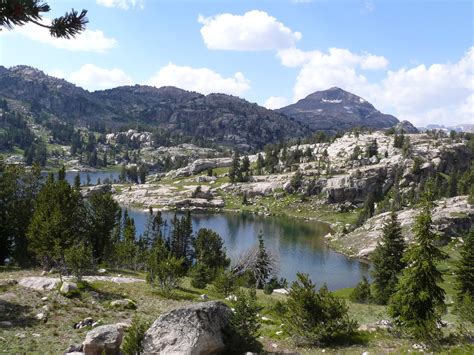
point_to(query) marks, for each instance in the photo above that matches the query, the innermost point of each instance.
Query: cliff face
(337, 110)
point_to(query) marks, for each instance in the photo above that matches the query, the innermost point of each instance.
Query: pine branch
(20, 12)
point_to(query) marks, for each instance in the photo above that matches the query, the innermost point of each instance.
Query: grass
(57, 333)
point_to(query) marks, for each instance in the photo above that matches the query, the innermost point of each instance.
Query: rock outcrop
(200, 165)
(194, 330)
(451, 217)
(39, 283)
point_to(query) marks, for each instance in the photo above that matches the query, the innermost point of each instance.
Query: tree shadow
(19, 315)
(103, 295)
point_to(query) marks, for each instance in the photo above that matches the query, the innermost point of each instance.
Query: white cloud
(254, 31)
(337, 67)
(87, 41)
(274, 102)
(92, 77)
(122, 4)
(439, 93)
(202, 80)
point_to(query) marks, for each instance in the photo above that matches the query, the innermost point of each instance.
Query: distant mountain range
(336, 109)
(223, 119)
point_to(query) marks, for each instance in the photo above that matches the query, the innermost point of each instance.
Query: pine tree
(235, 170)
(465, 267)
(263, 265)
(387, 260)
(418, 303)
(260, 164)
(59, 220)
(77, 181)
(20, 12)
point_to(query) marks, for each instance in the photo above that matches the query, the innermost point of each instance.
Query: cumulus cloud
(254, 31)
(92, 77)
(87, 41)
(202, 80)
(439, 93)
(274, 102)
(122, 4)
(337, 67)
(435, 93)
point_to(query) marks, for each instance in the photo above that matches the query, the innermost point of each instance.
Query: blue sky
(413, 58)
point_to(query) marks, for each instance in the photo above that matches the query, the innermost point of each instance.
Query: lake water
(299, 244)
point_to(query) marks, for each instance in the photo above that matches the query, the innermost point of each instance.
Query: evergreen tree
(244, 323)
(263, 265)
(387, 260)
(453, 184)
(104, 219)
(77, 181)
(58, 221)
(361, 293)
(181, 239)
(209, 250)
(260, 164)
(465, 267)
(235, 170)
(418, 303)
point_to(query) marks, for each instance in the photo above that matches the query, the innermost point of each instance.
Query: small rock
(123, 325)
(6, 324)
(204, 297)
(43, 273)
(20, 335)
(265, 318)
(102, 271)
(45, 308)
(41, 316)
(44, 299)
(36, 335)
(279, 332)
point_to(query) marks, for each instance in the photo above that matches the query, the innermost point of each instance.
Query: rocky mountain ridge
(223, 119)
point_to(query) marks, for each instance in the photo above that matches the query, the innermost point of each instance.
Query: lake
(299, 244)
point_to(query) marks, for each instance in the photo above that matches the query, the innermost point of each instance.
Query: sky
(413, 59)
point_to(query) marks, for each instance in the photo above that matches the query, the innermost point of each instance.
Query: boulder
(106, 338)
(125, 304)
(68, 288)
(196, 329)
(39, 283)
(280, 291)
(8, 283)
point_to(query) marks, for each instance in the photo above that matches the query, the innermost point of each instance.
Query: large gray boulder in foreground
(193, 330)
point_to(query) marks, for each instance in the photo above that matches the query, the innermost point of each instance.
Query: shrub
(361, 293)
(79, 260)
(132, 343)
(244, 323)
(225, 283)
(316, 317)
(200, 276)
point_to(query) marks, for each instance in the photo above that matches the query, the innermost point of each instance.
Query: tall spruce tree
(418, 303)
(387, 260)
(465, 267)
(263, 264)
(58, 221)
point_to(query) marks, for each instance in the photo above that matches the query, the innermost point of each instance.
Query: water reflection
(299, 244)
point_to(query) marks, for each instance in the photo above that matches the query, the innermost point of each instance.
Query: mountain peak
(336, 109)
